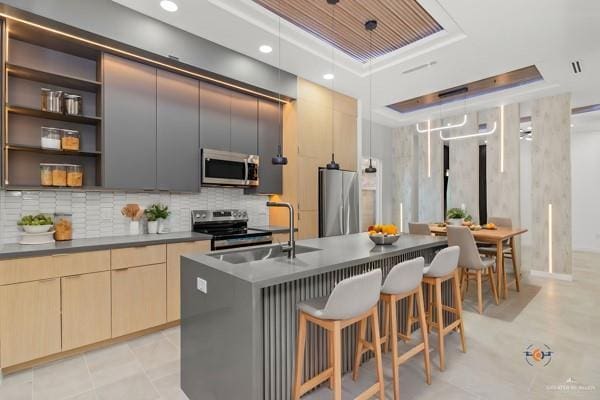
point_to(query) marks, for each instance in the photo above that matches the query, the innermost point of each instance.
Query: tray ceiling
(401, 22)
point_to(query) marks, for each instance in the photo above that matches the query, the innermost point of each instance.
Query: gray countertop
(272, 228)
(8, 251)
(335, 252)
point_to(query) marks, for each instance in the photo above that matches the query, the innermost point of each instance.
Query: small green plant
(35, 220)
(456, 213)
(157, 211)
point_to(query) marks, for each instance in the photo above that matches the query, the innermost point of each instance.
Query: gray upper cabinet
(244, 124)
(178, 147)
(129, 151)
(268, 140)
(215, 117)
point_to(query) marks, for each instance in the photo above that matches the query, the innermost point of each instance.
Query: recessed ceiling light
(572, 125)
(169, 5)
(265, 48)
(328, 76)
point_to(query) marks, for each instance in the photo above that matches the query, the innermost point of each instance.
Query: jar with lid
(46, 174)
(52, 100)
(59, 175)
(50, 138)
(63, 226)
(70, 140)
(73, 104)
(74, 176)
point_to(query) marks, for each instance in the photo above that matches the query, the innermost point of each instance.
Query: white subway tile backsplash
(98, 214)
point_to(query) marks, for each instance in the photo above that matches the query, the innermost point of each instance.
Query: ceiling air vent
(576, 65)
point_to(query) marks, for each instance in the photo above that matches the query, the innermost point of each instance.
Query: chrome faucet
(290, 247)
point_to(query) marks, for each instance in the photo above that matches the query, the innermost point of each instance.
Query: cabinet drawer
(138, 256)
(28, 269)
(82, 263)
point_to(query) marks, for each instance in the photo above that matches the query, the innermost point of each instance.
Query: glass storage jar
(74, 176)
(71, 140)
(50, 138)
(52, 100)
(73, 104)
(63, 226)
(46, 174)
(59, 175)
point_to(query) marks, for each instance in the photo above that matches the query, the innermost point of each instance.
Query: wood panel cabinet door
(85, 309)
(139, 298)
(129, 151)
(344, 140)
(308, 225)
(178, 130)
(174, 252)
(244, 123)
(30, 315)
(215, 117)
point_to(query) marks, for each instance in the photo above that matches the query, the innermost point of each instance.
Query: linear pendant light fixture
(279, 159)
(332, 164)
(370, 26)
(443, 127)
(472, 135)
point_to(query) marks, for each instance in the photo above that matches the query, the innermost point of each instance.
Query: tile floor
(563, 315)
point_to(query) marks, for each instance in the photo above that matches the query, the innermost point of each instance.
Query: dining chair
(472, 264)
(418, 228)
(508, 249)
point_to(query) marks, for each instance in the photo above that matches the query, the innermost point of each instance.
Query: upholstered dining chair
(417, 228)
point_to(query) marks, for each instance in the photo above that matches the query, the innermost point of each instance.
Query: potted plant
(456, 216)
(156, 214)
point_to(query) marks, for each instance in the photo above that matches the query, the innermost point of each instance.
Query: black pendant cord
(370, 26)
(279, 159)
(332, 164)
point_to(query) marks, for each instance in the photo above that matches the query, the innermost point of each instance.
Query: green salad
(35, 220)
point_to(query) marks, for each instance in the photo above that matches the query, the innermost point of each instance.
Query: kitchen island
(238, 321)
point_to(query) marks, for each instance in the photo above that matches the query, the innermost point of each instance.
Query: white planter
(152, 226)
(161, 226)
(456, 221)
(134, 227)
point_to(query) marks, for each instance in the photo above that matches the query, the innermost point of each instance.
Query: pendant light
(332, 164)
(279, 159)
(370, 27)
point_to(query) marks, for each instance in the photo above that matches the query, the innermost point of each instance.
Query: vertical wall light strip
(502, 138)
(550, 267)
(429, 148)
(401, 217)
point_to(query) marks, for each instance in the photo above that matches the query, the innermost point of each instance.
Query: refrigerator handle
(348, 220)
(342, 219)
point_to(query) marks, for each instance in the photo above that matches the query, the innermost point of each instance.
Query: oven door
(224, 168)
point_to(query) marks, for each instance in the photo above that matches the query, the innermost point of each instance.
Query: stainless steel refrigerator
(338, 202)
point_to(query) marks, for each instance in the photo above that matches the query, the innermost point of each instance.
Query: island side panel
(221, 339)
(280, 323)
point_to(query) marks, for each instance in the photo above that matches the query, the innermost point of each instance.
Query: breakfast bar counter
(238, 322)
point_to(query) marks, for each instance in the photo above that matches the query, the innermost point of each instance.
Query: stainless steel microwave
(223, 168)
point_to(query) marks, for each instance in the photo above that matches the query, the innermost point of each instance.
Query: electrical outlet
(201, 285)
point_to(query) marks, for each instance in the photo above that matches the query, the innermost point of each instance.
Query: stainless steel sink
(258, 254)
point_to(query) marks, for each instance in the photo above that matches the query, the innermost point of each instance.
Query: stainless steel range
(229, 229)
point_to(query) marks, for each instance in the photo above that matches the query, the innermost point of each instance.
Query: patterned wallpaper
(405, 184)
(98, 214)
(551, 183)
(463, 183)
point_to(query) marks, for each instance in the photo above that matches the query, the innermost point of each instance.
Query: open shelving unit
(33, 61)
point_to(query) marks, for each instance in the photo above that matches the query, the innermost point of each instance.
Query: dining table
(497, 237)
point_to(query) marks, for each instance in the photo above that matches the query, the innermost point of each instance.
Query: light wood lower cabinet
(174, 252)
(281, 237)
(139, 298)
(29, 321)
(86, 313)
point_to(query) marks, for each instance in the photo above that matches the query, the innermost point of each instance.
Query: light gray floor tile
(136, 387)
(158, 358)
(111, 364)
(169, 387)
(61, 379)
(18, 386)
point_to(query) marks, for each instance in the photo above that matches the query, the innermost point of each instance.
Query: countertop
(334, 253)
(8, 251)
(272, 228)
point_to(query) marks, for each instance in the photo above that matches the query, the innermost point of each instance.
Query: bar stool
(444, 267)
(352, 300)
(404, 280)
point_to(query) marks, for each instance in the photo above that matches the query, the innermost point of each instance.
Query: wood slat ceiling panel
(401, 22)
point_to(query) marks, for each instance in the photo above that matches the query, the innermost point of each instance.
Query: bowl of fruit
(40, 223)
(383, 234)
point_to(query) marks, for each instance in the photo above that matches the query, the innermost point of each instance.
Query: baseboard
(551, 275)
(586, 250)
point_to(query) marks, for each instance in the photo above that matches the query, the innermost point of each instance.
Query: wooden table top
(485, 235)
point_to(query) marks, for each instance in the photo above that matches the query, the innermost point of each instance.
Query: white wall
(382, 150)
(585, 158)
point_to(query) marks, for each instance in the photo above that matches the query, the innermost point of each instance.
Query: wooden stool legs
(334, 340)
(478, 275)
(435, 285)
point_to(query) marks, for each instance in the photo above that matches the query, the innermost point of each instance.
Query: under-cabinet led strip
(142, 58)
(443, 127)
(488, 133)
